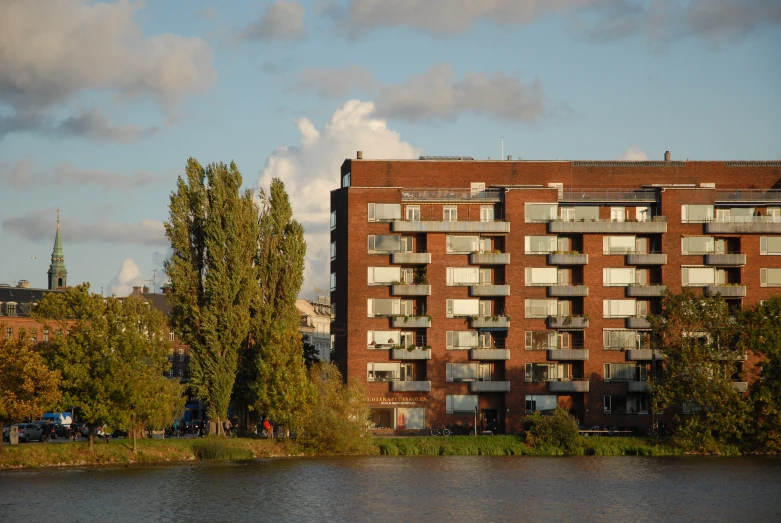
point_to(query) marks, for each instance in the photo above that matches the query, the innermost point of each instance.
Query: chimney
(146, 289)
(359, 155)
(667, 156)
(23, 284)
(510, 157)
(136, 290)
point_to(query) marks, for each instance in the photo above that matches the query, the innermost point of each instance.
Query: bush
(557, 431)
(220, 449)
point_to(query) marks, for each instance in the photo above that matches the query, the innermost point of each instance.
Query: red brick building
(515, 286)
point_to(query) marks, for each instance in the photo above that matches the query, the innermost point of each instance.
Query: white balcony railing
(489, 386)
(479, 227)
(410, 386)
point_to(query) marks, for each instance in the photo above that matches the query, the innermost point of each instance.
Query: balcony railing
(480, 227)
(410, 290)
(489, 354)
(410, 386)
(658, 225)
(638, 386)
(489, 386)
(638, 323)
(749, 195)
(567, 354)
(414, 354)
(643, 355)
(489, 258)
(638, 291)
(726, 260)
(412, 322)
(651, 258)
(489, 322)
(748, 225)
(411, 258)
(567, 290)
(567, 322)
(567, 259)
(611, 195)
(489, 290)
(568, 386)
(451, 195)
(726, 291)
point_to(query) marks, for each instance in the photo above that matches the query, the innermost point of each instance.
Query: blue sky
(101, 104)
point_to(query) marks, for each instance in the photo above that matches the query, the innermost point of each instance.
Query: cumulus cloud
(281, 20)
(129, 276)
(25, 175)
(336, 83)
(310, 170)
(38, 226)
(634, 154)
(54, 50)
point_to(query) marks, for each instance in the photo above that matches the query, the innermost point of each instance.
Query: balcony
(658, 225)
(640, 291)
(478, 227)
(568, 386)
(646, 259)
(608, 196)
(459, 194)
(489, 386)
(411, 258)
(638, 386)
(410, 386)
(748, 225)
(726, 260)
(749, 195)
(490, 322)
(410, 290)
(567, 290)
(567, 354)
(638, 323)
(490, 258)
(415, 354)
(411, 322)
(740, 386)
(726, 291)
(643, 355)
(489, 290)
(489, 354)
(567, 322)
(567, 259)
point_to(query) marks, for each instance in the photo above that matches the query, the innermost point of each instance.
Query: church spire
(58, 275)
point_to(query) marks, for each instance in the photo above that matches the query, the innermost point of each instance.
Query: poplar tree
(276, 372)
(213, 234)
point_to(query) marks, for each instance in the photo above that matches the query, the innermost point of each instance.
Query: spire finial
(58, 218)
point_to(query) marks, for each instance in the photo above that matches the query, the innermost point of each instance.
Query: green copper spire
(58, 275)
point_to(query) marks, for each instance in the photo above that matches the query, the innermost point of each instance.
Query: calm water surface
(403, 489)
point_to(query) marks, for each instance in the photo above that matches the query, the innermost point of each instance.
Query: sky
(102, 103)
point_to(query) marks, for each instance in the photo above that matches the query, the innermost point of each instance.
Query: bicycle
(440, 431)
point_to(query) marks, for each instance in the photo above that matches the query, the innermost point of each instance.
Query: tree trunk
(92, 437)
(135, 448)
(2, 441)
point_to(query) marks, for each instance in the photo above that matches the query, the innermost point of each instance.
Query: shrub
(559, 430)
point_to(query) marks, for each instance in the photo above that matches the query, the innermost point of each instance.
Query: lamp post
(475, 420)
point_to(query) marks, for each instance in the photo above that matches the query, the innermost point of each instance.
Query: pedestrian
(200, 428)
(227, 426)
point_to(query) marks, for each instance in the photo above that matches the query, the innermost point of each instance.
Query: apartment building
(465, 288)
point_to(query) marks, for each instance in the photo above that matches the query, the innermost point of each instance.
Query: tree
(275, 373)
(311, 354)
(213, 234)
(700, 341)
(28, 387)
(558, 430)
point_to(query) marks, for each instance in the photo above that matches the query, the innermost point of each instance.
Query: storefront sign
(411, 400)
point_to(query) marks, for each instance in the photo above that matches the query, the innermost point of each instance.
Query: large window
(541, 308)
(540, 244)
(770, 277)
(469, 307)
(619, 245)
(541, 403)
(580, 213)
(467, 244)
(412, 213)
(10, 308)
(541, 276)
(460, 403)
(619, 308)
(384, 212)
(547, 339)
(630, 404)
(462, 339)
(383, 339)
(618, 277)
(618, 339)
(770, 245)
(698, 276)
(383, 307)
(467, 371)
(698, 245)
(547, 371)
(388, 243)
(388, 275)
(450, 213)
(486, 214)
(625, 372)
(696, 213)
(388, 371)
(735, 214)
(540, 212)
(463, 276)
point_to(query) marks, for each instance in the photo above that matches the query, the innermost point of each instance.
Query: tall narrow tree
(213, 235)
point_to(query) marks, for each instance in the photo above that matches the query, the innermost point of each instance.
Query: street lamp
(475, 420)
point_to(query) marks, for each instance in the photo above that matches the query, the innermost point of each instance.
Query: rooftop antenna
(154, 281)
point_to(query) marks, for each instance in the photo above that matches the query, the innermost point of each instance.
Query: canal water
(404, 489)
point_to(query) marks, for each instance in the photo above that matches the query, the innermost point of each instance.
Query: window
(618, 308)
(540, 212)
(333, 281)
(642, 214)
(698, 245)
(541, 403)
(541, 308)
(618, 277)
(385, 243)
(170, 355)
(383, 307)
(412, 213)
(346, 180)
(333, 250)
(462, 308)
(171, 372)
(462, 339)
(450, 213)
(460, 403)
(540, 244)
(384, 275)
(181, 373)
(540, 340)
(579, 214)
(617, 214)
(486, 308)
(333, 220)
(697, 276)
(389, 372)
(696, 213)
(735, 214)
(9, 332)
(773, 214)
(171, 336)
(486, 214)
(46, 335)
(463, 276)
(333, 311)
(541, 276)
(462, 244)
(631, 404)
(770, 277)
(625, 372)
(181, 354)
(467, 372)
(383, 339)
(10, 308)
(547, 372)
(478, 188)
(607, 403)
(770, 245)
(619, 244)
(619, 339)
(641, 276)
(384, 212)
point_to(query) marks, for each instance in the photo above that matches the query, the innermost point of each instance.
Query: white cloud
(634, 154)
(129, 276)
(24, 175)
(311, 170)
(281, 20)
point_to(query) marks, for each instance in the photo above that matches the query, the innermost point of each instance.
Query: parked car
(62, 431)
(47, 429)
(29, 432)
(119, 434)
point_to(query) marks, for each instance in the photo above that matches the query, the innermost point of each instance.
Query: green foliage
(311, 354)
(212, 229)
(212, 448)
(336, 421)
(557, 431)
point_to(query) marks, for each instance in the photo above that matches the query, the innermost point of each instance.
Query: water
(404, 489)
